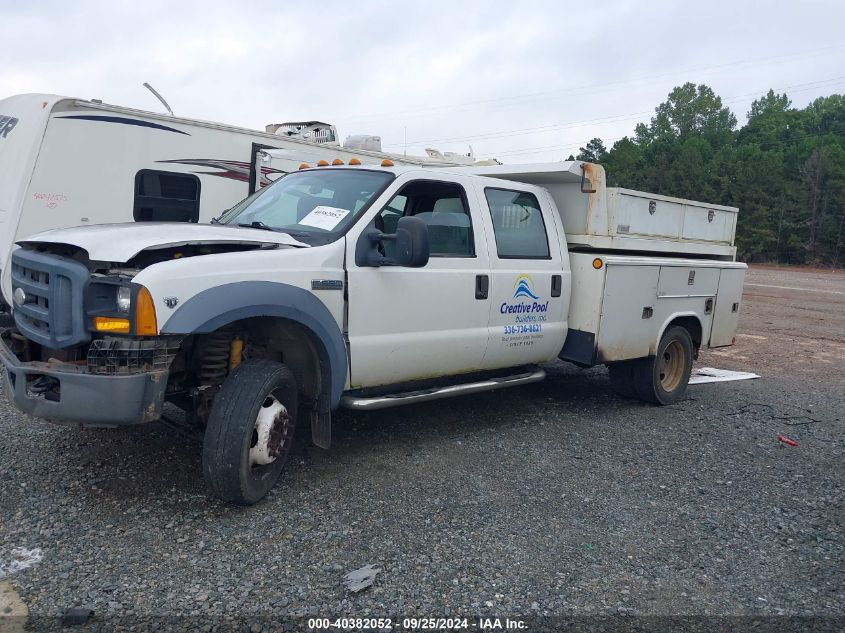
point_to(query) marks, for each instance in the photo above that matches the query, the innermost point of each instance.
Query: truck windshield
(315, 206)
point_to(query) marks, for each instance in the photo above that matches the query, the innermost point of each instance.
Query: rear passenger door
(529, 283)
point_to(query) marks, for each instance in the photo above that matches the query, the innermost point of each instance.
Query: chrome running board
(437, 393)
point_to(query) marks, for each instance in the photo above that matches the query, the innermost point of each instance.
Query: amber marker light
(110, 324)
(322, 163)
(304, 165)
(387, 163)
(337, 162)
(597, 263)
(145, 314)
(354, 161)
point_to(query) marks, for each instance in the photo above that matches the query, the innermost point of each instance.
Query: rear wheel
(663, 378)
(250, 431)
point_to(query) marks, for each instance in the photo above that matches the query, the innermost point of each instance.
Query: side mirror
(410, 245)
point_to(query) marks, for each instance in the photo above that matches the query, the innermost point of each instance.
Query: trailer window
(163, 196)
(518, 224)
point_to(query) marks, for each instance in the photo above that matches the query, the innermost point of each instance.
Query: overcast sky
(522, 81)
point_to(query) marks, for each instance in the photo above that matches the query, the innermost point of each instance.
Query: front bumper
(82, 397)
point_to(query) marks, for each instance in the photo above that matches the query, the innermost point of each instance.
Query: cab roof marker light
(322, 163)
(354, 161)
(337, 162)
(387, 163)
(304, 166)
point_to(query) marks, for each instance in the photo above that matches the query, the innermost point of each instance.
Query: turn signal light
(145, 314)
(110, 324)
(337, 162)
(304, 165)
(354, 161)
(387, 163)
(322, 163)
(597, 263)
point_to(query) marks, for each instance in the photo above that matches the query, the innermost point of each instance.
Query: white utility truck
(365, 287)
(70, 162)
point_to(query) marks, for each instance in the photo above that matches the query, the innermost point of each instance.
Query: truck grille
(52, 289)
(131, 356)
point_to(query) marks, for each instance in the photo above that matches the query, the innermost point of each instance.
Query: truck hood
(121, 242)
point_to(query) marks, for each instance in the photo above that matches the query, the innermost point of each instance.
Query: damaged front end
(60, 366)
(85, 347)
(113, 382)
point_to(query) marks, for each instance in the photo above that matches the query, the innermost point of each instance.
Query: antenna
(159, 97)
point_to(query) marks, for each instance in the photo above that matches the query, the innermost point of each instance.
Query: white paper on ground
(323, 217)
(22, 558)
(709, 374)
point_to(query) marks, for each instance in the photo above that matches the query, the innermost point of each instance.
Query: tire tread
(224, 434)
(646, 383)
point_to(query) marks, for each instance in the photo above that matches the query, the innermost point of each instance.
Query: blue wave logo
(523, 288)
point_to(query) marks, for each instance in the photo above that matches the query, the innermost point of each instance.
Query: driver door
(407, 324)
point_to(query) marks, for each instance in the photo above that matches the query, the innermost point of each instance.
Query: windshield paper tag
(326, 218)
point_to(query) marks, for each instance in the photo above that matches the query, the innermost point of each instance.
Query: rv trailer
(68, 162)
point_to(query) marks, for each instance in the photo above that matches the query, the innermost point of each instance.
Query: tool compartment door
(709, 224)
(641, 297)
(637, 214)
(630, 294)
(728, 302)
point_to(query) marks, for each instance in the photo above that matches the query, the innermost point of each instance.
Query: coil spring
(215, 358)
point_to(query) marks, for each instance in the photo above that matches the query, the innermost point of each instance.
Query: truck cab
(356, 286)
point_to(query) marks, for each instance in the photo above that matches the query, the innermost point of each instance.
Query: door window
(518, 224)
(443, 207)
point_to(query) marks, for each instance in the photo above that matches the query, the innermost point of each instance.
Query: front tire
(663, 378)
(250, 431)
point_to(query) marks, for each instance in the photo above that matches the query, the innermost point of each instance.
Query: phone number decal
(531, 328)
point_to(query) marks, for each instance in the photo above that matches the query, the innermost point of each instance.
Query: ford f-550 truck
(365, 287)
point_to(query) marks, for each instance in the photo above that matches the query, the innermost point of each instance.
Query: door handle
(557, 285)
(482, 286)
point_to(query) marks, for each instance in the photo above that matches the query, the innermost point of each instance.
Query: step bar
(437, 393)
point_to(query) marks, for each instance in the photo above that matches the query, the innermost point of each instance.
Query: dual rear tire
(662, 378)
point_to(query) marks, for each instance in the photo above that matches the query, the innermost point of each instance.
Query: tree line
(784, 169)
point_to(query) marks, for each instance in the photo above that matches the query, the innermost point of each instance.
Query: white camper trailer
(68, 162)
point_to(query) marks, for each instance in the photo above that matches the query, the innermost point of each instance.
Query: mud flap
(321, 423)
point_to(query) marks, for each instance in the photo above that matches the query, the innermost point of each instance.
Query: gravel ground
(557, 499)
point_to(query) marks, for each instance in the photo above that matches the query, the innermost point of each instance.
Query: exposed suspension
(214, 358)
(218, 354)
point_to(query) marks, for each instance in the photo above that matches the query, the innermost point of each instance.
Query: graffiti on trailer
(51, 200)
(7, 124)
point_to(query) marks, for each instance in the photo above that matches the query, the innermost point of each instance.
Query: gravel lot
(553, 499)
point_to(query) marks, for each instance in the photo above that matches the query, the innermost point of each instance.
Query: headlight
(115, 309)
(124, 299)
